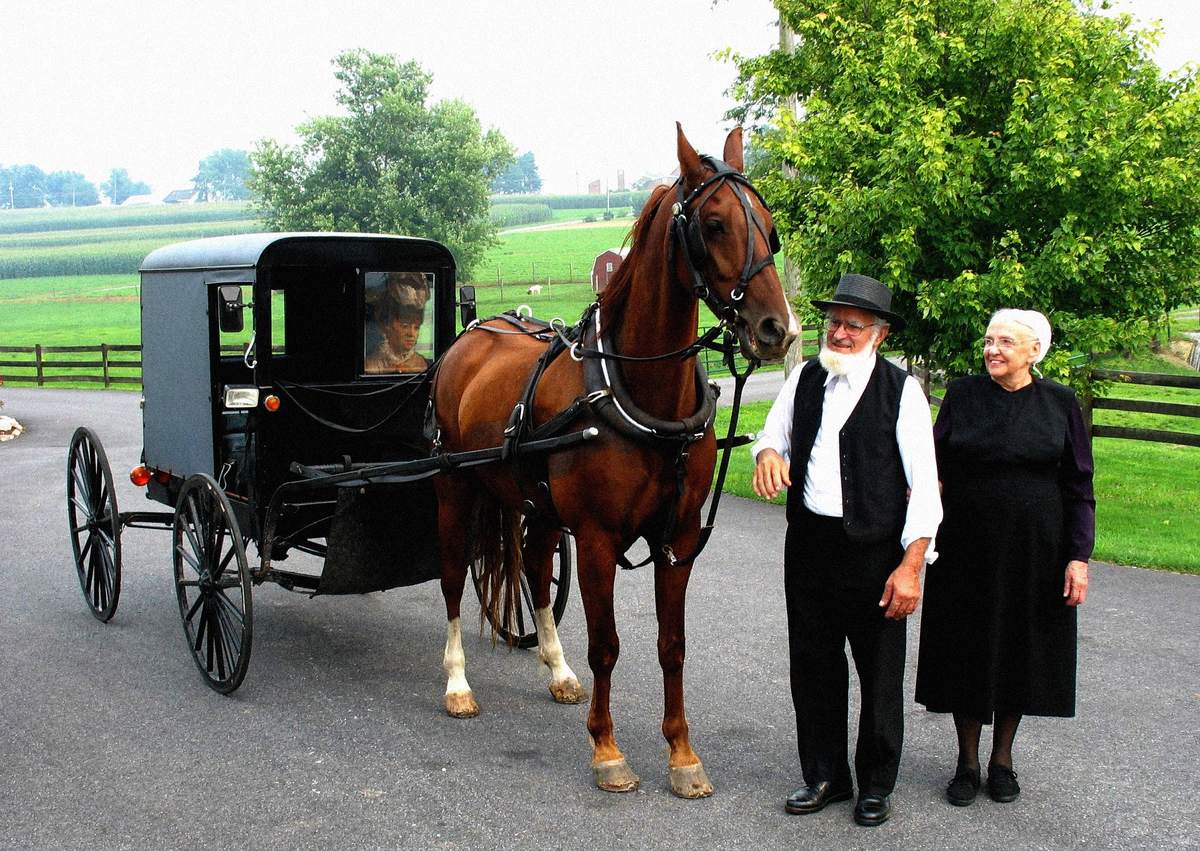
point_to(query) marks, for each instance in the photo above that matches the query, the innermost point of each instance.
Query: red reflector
(140, 476)
(271, 403)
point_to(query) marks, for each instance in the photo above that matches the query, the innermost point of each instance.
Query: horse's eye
(714, 227)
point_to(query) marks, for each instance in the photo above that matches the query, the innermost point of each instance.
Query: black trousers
(833, 587)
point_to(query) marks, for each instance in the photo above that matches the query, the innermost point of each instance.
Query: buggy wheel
(212, 583)
(95, 523)
(521, 630)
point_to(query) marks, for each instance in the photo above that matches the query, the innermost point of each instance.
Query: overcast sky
(155, 86)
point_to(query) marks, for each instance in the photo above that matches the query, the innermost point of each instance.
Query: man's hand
(771, 474)
(902, 592)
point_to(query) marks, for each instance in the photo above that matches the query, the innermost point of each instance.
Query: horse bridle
(689, 233)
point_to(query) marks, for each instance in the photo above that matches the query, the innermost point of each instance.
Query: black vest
(874, 489)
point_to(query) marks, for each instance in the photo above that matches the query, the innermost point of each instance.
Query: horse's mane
(615, 296)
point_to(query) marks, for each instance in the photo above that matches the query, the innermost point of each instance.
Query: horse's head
(725, 245)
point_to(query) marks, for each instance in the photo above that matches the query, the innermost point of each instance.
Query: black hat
(866, 294)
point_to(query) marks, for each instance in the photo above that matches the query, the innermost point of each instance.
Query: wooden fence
(1141, 406)
(35, 363)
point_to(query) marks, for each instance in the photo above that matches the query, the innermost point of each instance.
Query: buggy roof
(247, 251)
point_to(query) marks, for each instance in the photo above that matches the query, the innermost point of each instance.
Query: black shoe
(964, 787)
(1002, 784)
(812, 799)
(872, 810)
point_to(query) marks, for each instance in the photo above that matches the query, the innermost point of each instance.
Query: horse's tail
(496, 550)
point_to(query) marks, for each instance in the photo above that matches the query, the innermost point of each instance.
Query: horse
(633, 377)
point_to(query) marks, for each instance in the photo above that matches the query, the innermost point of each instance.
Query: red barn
(606, 264)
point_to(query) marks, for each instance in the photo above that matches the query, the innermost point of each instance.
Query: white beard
(837, 363)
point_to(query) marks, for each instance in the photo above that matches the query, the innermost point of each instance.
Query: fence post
(104, 363)
(38, 357)
(1085, 402)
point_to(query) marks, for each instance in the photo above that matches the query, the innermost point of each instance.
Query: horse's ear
(733, 150)
(689, 161)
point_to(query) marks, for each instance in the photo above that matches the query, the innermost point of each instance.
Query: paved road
(337, 738)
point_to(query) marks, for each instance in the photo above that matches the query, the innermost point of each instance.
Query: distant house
(594, 187)
(182, 196)
(137, 200)
(607, 262)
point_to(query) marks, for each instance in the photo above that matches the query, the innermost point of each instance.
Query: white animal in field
(536, 289)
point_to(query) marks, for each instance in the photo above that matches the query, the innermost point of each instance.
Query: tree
(222, 176)
(120, 186)
(23, 186)
(392, 164)
(521, 178)
(70, 189)
(977, 154)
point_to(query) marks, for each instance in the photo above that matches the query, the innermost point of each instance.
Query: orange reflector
(271, 403)
(140, 476)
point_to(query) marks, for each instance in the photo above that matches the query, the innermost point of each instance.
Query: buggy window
(397, 322)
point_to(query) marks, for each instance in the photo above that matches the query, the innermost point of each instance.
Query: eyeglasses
(1004, 344)
(852, 328)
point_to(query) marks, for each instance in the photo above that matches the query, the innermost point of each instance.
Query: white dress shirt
(823, 473)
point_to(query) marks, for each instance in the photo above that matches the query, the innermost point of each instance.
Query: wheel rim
(95, 524)
(212, 584)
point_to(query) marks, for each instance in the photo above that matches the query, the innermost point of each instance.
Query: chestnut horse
(649, 470)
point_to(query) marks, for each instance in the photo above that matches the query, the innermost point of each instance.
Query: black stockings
(969, 730)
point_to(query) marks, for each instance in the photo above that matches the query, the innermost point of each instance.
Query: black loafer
(813, 799)
(1002, 784)
(872, 810)
(964, 787)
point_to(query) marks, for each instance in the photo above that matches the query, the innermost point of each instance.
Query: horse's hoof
(568, 691)
(462, 705)
(690, 781)
(614, 776)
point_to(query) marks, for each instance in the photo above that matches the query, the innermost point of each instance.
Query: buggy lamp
(271, 403)
(141, 475)
(241, 396)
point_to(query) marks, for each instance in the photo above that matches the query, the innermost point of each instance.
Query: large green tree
(120, 186)
(391, 164)
(23, 186)
(520, 178)
(978, 154)
(70, 189)
(222, 176)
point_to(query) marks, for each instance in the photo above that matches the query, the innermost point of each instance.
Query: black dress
(1016, 471)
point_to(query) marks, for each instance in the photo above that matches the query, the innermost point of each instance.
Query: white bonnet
(1031, 319)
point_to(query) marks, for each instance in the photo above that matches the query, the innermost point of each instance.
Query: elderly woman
(998, 631)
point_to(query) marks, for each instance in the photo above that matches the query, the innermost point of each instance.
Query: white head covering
(1031, 319)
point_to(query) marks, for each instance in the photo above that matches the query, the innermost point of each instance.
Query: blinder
(689, 232)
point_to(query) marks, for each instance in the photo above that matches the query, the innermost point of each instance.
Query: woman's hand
(1075, 589)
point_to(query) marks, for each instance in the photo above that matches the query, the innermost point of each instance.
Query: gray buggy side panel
(177, 417)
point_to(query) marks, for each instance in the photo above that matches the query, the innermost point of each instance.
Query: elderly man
(859, 532)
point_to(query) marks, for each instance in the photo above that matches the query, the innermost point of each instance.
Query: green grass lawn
(563, 254)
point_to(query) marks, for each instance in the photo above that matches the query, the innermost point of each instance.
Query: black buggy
(301, 429)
